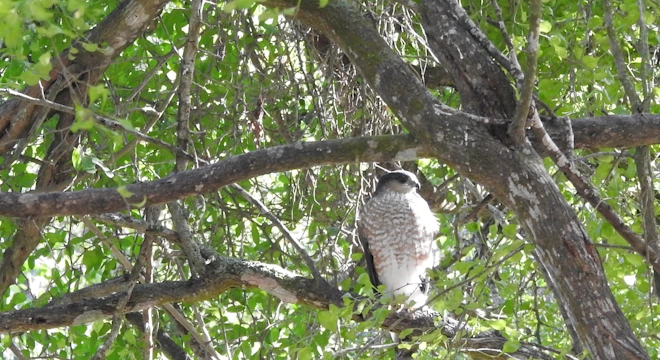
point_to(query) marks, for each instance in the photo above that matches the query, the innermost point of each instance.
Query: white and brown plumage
(396, 229)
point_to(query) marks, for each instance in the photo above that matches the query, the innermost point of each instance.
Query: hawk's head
(400, 181)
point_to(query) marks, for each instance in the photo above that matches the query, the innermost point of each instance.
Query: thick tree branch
(211, 178)
(604, 131)
(227, 273)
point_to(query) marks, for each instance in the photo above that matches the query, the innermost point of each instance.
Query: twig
(187, 241)
(620, 63)
(476, 32)
(505, 36)
(485, 270)
(117, 318)
(105, 122)
(186, 72)
(152, 213)
(285, 231)
(206, 343)
(517, 126)
(409, 4)
(40, 117)
(16, 351)
(475, 211)
(121, 109)
(605, 153)
(614, 246)
(647, 75)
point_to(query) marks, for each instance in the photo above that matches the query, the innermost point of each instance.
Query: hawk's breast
(399, 229)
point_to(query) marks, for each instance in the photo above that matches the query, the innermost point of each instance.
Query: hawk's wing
(371, 267)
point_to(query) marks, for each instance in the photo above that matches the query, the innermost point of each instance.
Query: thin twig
(161, 60)
(517, 126)
(604, 153)
(483, 40)
(39, 118)
(476, 210)
(505, 35)
(17, 352)
(174, 313)
(619, 62)
(186, 72)
(187, 241)
(647, 75)
(409, 4)
(485, 270)
(614, 246)
(285, 231)
(152, 213)
(117, 317)
(105, 122)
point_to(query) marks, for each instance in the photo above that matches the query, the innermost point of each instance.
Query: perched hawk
(396, 229)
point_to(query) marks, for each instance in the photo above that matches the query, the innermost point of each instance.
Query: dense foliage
(262, 79)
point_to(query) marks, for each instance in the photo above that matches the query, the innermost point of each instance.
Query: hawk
(396, 229)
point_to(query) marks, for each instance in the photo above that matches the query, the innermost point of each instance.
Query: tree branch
(621, 68)
(228, 273)
(604, 131)
(263, 210)
(112, 36)
(517, 127)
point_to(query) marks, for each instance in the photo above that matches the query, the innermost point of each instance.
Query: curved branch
(604, 131)
(228, 273)
(211, 178)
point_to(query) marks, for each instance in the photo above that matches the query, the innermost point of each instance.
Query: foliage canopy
(150, 89)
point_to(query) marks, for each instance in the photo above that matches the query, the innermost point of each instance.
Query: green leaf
(239, 4)
(497, 324)
(510, 230)
(305, 354)
(405, 332)
(97, 91)
(90, 47)
(590, 62)
(328, 320)
(76, 158)
(92, 258)
(511, 346)
(84, 119)
(545, 27)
